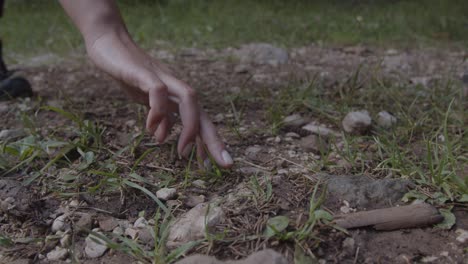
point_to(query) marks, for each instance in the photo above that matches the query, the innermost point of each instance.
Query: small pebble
(140, 223)
(199, 184)
(166, 193)
(57, 254)
(385, 119)
(358, 122)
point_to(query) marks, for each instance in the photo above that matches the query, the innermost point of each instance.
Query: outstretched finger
(213, 142)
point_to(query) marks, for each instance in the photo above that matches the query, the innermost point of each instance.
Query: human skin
(146, 80)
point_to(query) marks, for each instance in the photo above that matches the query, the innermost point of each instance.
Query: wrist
(119, 34)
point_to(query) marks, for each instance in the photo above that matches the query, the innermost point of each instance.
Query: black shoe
(11, 86)
(15, 87)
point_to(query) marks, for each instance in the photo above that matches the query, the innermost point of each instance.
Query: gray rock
(199, 184)
(364, 193)
(462, 235)
(118, 231)
(9, 134)
(292, 135)
(314, 143)
(294, 120)
(166, 193)
(252, 152)
(57, 254)
(194, 200)
(358, 122)
(59, 223)
(267, 256)
(131, 232)
(85, 222)
(94, 246)
(261, 53)
(140, 223)
(108, 224)
(320, 130)
(385, 119)
(194, 224)
(145, 236)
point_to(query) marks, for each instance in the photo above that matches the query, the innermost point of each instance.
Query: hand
(149, 82)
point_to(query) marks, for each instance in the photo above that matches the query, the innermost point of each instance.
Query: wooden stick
(392, 218)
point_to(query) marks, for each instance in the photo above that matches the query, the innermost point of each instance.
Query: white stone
(462, 235)
(95, 247)
(423, 81)
(385, 119)
(294, 120)
(357, 122)
(59, 223)
(57, 254)
(199, 184)
(118, 231)
(166, 193)
(145, 236)
(429, 259)
(74, 203)
(131, 232)
(320, 130)
(140, 223)
(194, 224)
(292, 135)
(253, 150)
(65, 241)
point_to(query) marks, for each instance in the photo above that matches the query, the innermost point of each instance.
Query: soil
(80, 87)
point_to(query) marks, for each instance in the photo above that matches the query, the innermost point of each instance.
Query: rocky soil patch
(280, 158)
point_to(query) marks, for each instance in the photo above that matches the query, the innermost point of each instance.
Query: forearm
(94, 18)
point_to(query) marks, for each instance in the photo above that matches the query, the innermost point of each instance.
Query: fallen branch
(409, 216)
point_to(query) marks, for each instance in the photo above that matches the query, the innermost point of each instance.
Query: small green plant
(263, 191)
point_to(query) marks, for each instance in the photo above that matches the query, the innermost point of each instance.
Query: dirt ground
(80, 87)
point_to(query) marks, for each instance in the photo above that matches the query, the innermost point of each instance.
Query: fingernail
(187, 150)
(207, 164)
(226, 157)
